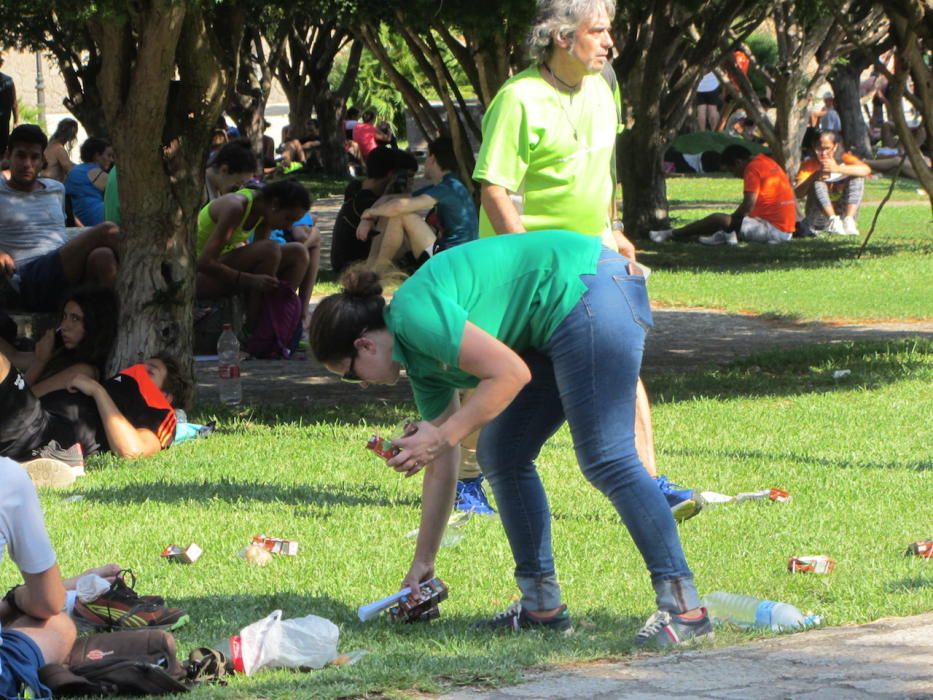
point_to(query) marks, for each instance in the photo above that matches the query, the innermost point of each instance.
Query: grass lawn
(807, 279)
(854, 453)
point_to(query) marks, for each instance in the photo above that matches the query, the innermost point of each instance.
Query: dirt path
(681, 339)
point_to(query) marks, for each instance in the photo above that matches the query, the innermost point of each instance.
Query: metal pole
(40, 91)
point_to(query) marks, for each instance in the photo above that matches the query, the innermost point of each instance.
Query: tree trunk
(644, 188)
(329, 107)
(159, 200)
(845, 82)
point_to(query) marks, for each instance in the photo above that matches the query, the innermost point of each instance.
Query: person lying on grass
(129, 414)
(539, 337)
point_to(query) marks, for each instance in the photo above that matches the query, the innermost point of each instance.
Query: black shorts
(24, 424)
(42, 283)
(710, 98)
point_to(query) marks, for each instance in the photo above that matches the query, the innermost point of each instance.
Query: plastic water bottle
(228, 367)
(749, 611)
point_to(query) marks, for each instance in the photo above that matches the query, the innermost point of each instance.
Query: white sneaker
(850, 226)
(51, 473)
(661, 236)
(720, 238)
(835, 225)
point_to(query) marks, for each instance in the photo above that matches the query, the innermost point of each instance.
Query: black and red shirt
(135, 395)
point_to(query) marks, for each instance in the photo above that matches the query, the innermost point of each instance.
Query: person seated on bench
(80, 344)
(38, 259)
(129, 414)
(85, 183)
(57, 161)
(227, 265)
(456, 214)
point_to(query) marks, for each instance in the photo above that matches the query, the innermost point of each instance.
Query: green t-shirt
(521, 299)
(240, 235)
(112, 198)
(552, 151)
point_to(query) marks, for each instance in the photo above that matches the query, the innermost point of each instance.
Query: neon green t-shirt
(552, 151)
(520, 300)
(206, 224)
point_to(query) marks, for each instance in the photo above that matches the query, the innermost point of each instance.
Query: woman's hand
(259, 283)
(417, 574)
(421, 445)
(45, 347)
(84, 384)
(366, 225)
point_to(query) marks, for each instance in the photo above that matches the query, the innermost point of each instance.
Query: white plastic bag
(90, 587)
(272, 642)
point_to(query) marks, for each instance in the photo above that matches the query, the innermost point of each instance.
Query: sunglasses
(350, 376)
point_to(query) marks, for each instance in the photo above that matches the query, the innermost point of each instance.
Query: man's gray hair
(561, 17)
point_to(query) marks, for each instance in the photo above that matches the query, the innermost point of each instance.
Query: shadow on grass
(909, 584)
(811, 253)
(231, 491)
(803, 370)
(809, 460)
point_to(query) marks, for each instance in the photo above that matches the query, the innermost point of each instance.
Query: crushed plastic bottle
(749, 611)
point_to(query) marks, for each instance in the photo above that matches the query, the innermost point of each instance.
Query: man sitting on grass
(129, 414)
(456, 214)
(767, 213)
(34, 629)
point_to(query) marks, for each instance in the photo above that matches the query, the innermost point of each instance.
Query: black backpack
(138, 662)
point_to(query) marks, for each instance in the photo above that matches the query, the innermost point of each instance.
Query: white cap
(827, 95)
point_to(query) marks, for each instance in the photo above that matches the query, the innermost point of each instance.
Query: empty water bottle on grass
(749, 611)
(228, 367)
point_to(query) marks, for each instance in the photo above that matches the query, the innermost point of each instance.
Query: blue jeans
(585, 374)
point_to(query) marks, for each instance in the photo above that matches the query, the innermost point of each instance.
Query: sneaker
(46, 472)
(666, 630)
(720, 238)
(471, 497)
(516, 619)
(850, 226)
(835, 225)
(72, 456)
(121, 608)
(684, 503)
(661, 236)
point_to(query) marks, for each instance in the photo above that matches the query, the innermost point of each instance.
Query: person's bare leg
(293, 265)
(388, 245)
(313, 245)
(704, 227)
(644, 434)
(713, 117)
(75, 253)
(261, 258)
(101, 268)
(54, 636)
(701, 117)
(418, 234)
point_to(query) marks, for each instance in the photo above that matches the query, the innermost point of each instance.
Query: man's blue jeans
(586, 374)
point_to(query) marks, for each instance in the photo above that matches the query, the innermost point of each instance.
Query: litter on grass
(776, 495)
